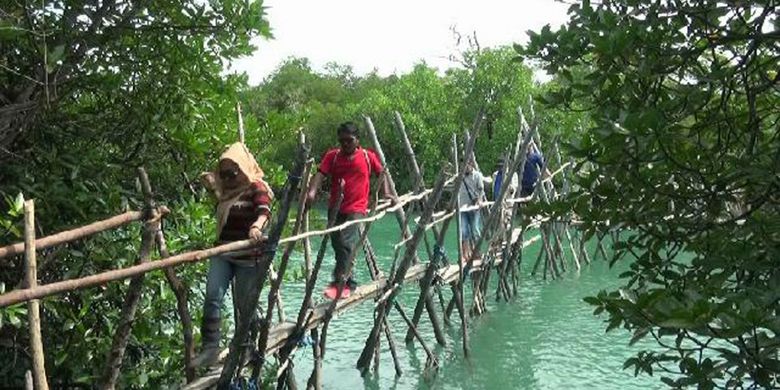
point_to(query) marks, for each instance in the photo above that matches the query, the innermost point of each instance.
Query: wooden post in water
(397, 278)
(33, 306)
(276, 283)
(134, 290)
(426, 283)
(457, 287)
(305, 226)
(373, 270)
(306, 304)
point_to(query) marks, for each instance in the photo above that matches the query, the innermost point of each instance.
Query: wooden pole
(427, 282)
(373, 270)
(75, 234)
(134, 290)
(315, 380)
(398, 277)
(305, 222)
(33, 307)
(305, 312)
(457, 288)
(240, 123)
(28, 381)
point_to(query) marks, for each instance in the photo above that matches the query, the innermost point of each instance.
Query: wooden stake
(373, 270)
(28, 380)
(457, 287)
(398, 276)
(427, 282)
(315, 380)
(33, 308)
(240, 123)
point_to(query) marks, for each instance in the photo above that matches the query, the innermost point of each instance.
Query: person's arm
(314, 186)
(384, 176)
(387, 188)
(256, 231)
(262, 202)
(480, 184)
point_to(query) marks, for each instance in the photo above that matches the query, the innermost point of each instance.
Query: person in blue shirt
(534, 164)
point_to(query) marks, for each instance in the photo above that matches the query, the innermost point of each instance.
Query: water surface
(546, 339)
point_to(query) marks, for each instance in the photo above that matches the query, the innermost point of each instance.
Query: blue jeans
(222, 269)
(470, 228)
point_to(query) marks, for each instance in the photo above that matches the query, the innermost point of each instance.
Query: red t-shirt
(354, 170)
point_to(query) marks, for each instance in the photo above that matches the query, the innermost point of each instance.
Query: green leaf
(18, 206)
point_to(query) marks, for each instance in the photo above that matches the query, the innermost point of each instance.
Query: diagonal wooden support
(306, 304)
(433, 255)
(398, 277)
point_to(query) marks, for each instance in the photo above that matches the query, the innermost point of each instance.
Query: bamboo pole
(28, 381)
(398, 277)
(33, 306)
(240, 123)
(305, 313)
(75, 234)
(427, 282)
(457, 288)
(373, 270)
(242, 329)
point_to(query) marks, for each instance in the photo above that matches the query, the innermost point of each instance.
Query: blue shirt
(533, 165)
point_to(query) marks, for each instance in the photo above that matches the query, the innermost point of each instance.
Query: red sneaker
(332, 291)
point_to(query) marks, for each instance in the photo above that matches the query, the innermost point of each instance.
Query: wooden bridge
(503, 240)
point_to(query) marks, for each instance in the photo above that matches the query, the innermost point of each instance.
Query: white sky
(390, 36)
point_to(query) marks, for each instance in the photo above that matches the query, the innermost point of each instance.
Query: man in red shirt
(349, 168)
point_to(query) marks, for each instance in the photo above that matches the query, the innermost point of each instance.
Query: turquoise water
(546, 339)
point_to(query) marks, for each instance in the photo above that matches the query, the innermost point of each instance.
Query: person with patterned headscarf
(243, 210)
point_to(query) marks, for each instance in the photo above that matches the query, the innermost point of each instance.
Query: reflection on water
(546, 339)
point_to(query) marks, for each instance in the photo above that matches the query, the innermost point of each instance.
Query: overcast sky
(390, 36)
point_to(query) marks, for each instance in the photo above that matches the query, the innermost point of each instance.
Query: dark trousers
(344, 242)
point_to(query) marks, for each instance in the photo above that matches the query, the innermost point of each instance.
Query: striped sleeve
(261, 198)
